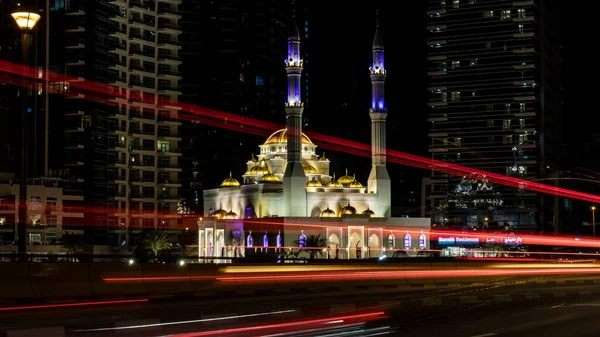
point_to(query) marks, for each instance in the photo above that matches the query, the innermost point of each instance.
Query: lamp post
(594, 222)
(26, 21)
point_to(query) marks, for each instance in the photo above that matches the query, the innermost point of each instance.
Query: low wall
(70, 281)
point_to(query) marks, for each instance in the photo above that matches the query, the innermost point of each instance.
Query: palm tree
(72, 243)
(155, 241)
(314, 245)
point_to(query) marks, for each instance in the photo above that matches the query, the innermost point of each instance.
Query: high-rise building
(123, 152)
(494, 105)
(232, 54)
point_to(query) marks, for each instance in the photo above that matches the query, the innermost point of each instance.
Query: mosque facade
(288, 194)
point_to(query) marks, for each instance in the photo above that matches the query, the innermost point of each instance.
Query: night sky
(341, 38)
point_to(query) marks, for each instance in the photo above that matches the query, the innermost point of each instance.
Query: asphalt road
(505, 307)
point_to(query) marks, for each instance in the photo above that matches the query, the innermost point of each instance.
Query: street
(508, 306)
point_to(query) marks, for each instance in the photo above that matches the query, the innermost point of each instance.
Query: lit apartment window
(521, 122)
(520, 29)
(456, 4)
(488, 45)
(442, 3)
(455, 96)
(473, 93)
(455, 65)
(260, 81)
(507, 107)
(488, 14)
(458, 141)
(505, 14)
(490, 124)
(521, 12)
(473, 62)
(522, 106)
(522, 138)
(443, 65)
(506, 124)
(458, 155)
(472, 2)
(507, 139)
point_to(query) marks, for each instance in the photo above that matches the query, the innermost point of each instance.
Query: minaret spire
(379, 179)
(294, 178)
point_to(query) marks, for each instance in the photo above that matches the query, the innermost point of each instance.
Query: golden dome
(220, 213)
(231, 215)
(323, 158)
(334, 184)
(348, 209)
(252, 159)
(309, 169)
(259, 169)
(328, 213)
(355, 184)
(280, 136)
(269, 178)
(368, 211)
(346, 180)
(230, 182)
(313, 183)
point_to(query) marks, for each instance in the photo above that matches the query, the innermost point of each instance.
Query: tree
(73, 243)
(155, 241)
(314, 245)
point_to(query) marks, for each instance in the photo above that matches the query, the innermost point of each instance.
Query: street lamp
(26, 21)
(594, 221)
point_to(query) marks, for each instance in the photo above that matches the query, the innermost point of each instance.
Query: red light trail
(330, 320)
(75, 304)
(250, 125)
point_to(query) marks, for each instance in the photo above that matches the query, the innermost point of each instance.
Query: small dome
(334, 184)
(253, 160)
(277, 157)
(269, 178)
(346, 180)
(220, 213)
(328, 213)
(348, 209)
(313, 183)
(231, 215)
(259, 169)
(323, 158)
(280, 136)
(309, 169)
(355, 184)
(230, 182)
(368, 211)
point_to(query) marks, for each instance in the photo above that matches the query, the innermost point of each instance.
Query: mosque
(288, 194)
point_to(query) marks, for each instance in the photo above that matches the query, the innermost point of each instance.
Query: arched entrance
(220, 246)
(374, 246)
(355, 244)
(334, 244)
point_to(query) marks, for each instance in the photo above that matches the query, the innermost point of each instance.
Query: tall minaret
(379, 179)
(294, 179)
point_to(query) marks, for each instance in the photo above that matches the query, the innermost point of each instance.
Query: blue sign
(458, 240)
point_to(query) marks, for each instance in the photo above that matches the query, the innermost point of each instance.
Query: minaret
(294, 179)
(379, 179)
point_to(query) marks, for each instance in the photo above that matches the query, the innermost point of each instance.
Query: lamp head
(593, 208)
(26, 20)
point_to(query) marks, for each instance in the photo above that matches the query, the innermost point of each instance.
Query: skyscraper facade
(122, 149)
(494, 105)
